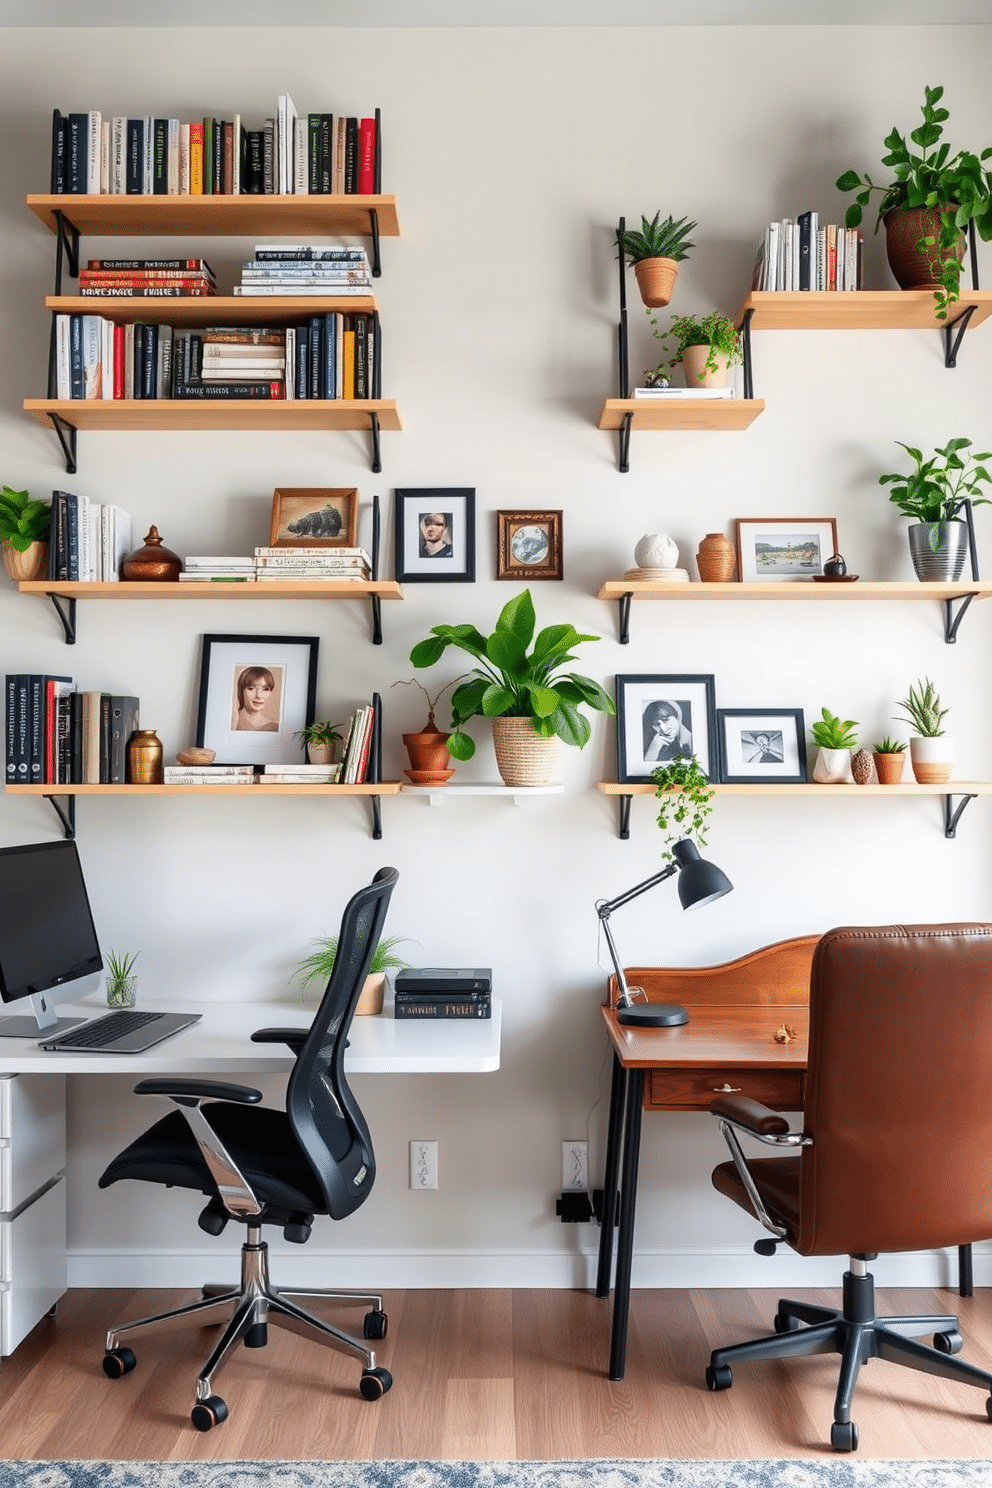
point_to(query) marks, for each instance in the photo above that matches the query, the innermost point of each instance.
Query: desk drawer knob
(726, 1089)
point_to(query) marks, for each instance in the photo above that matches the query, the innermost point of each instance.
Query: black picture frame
(762, 745)
(290, 662)
(454, 562)
(643, 700)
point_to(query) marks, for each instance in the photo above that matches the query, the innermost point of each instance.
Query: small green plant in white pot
(318, 965)
(836, 740)
(122, 984)
(931, 750)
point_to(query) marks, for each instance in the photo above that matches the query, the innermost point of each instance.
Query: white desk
(33, 1263)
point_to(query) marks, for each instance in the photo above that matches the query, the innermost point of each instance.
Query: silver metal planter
(946, 564)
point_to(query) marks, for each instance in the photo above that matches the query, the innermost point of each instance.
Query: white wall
(512, 154)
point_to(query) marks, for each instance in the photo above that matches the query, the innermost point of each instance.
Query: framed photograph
(435, 535)
(528, 545)
(784, 548)
(664, 718)
(762, 744)
(318, 517)
(256, 694)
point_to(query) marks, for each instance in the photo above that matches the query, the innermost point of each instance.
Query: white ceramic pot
(932, 758)
(833, 767)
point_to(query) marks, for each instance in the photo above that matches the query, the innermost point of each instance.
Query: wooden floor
(485, 1375)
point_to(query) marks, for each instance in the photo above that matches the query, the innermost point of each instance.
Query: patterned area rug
(833, 1473)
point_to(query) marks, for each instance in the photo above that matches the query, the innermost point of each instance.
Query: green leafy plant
(888, 746)
(958, 186)
(714, 330)
(22, 520)
(831, 732)
(923, 710)
(319, 964)
(937, 489)
(120, 970)
(512, 682)
(321, 732)
(686, 800)
(657, 239)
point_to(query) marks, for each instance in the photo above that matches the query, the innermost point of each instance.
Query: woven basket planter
(522, 756)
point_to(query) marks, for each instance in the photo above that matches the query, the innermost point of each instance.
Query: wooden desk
(735, 1011)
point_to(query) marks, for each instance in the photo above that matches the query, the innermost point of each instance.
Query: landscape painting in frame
(784, 549)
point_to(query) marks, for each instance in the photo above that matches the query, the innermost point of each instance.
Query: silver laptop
(125, 1031)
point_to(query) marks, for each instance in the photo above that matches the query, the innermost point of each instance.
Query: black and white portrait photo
(665, 718)
(667, 730)
(761, 744)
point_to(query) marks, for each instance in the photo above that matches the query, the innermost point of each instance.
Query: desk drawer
(693, 1090)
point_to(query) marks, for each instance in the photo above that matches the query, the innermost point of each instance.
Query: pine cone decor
(861, 765)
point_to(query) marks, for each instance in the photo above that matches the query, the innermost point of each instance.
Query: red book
(366, 158)
(118, 361)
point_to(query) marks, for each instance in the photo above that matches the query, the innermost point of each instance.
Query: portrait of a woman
(256, 703)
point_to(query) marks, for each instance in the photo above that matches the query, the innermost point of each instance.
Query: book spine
(351, 157)
(366, 157)
(94, 146)
(271, 390)
(58, 181)
(440, 1008)
(143, 291)
(135, 167)
(196, 158)
(160, 157)
(148, 265)
(16, 742)
(326, 155)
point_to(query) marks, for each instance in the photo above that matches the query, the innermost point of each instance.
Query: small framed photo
(762, 744)
(665, 718)
(435, 535)
(322, 517)
(256, 694)
(784, 548)
(528, 545)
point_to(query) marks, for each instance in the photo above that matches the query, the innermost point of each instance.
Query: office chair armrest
(294, 1037)
(192, 1090)
(751, 1116)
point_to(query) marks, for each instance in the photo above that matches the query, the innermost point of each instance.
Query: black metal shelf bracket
(375, 765)
(67, 248)
(952, 620)
(952, 814)
(64, 606)
(376, 818)
(954, 333)
(66, 433)
(374, 233)
(746, 352)
(65, 809)
(624, 606)
(376, 451)
(624, 803)
(376, 599)
(623, 355)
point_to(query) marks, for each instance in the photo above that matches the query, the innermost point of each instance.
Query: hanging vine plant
(686, 798)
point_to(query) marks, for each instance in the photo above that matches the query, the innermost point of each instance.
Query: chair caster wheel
(948, 1343)
(374, 1383)
(208, 1413)
(118, 1362)
(988, 1407)
(844, 1436)
(375, 1325)
(719, 1377)
(784, 1323)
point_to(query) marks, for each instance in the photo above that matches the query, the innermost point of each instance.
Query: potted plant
(934, 196)
(531, 701)
(934, 493)
(686, 798)
(319, 964)
(836, 739)
(707, 346)
(428, 746)
(890, 758)
(656, 252)
(931, 751)
(320, 739)
(122, 984)
(24, 530)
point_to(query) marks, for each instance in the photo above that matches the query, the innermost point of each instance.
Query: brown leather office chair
(894, 1150)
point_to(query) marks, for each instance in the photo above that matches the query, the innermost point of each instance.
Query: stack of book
(291, 774)
(147, 278)
(208, 775)
(234, 355)
(208, 569)
(802, 255)
(358, 747)
(56, 735)
(278, 564)
(305, 269)
(88, 539)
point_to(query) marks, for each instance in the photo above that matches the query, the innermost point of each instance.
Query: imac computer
(48, 946)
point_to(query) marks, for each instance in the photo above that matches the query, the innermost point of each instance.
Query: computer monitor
(48, 946)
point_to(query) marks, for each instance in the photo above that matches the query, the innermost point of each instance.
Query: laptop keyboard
(101, 1031)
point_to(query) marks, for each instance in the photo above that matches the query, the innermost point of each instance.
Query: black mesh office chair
(262, 1166)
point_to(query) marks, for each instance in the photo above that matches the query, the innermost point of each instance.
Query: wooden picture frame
(529, 545)
(660, 718)
(784, 549)
(314, 517)
(434, 534)
(264, 728)
(762, 745)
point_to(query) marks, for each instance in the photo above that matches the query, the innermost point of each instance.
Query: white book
(83, 505)
(92, 357)
(236, 157)
(217, 561)
(184, 160)
(315, 251)
(285, 153)
(172, 158)
(105, 157)
(303, 290)
(96, 516)
(772, 257)
(676, 394)
(122, 539)
(62, 386)
(118, 155)
(93, 152)
(290, 378)
(107, 388)
(301, 184)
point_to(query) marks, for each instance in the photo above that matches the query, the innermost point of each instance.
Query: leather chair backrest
(899, 1090)
(323, 1112)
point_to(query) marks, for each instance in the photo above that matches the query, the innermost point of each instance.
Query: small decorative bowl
(196, 756)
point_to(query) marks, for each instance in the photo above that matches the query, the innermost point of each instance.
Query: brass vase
(144, 758)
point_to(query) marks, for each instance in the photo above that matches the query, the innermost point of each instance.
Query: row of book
(290, 154)
(56, 735)
(147, 278)
(305, 269)
(332, 356)
(88, 540)
(800, 254)
(277, 565)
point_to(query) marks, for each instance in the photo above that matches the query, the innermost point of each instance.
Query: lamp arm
(605, 908)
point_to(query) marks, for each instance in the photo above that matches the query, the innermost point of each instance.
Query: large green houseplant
(934, 494)
(656, 249)
(949, 190)
(516, 679)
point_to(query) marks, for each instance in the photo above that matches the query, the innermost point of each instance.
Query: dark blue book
(134, 173)
(75, 775)
(149, 362)
(316, 360)
(302, 362)
(375, 355)
(71, 521)
(16, 741)
(60, 128)
(160, 157)
(362, 383)
(76, 383)
(807, 223)
(77, 152)
(329, 341)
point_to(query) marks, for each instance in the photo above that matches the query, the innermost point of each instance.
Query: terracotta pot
(889, 767)
(370, 998)
(932, 758)
(428, 749)
(914, 267)
(523, 757)
(715, 559)
(656, 280)
(697, 374)
(27, 566)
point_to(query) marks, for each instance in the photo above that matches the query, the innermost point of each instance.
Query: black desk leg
(966, 1284)
(625, 1240)
(614, 1148)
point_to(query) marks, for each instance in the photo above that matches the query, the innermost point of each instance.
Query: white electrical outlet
(574, 1166)
(423, 1165)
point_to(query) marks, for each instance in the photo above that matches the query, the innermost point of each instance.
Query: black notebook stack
(443, 992)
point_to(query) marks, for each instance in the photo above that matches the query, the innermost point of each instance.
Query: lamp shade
(700, 882)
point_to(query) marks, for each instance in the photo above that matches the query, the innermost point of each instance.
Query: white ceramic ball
(656, 550)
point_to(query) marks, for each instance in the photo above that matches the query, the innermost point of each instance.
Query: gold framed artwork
(314, 517)
(528, 545)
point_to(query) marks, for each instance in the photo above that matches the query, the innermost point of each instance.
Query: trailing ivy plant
(715, 331)
(686, 798)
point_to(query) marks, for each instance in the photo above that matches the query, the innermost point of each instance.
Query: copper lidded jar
(144, 758)
(153, 563)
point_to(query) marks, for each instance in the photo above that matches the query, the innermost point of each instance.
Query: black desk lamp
(700, 883)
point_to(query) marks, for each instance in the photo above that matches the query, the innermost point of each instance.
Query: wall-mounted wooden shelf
(680, 414)
(857, 310)
(250, 414)
(219, 216)
(435, 794)
(210, 310)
